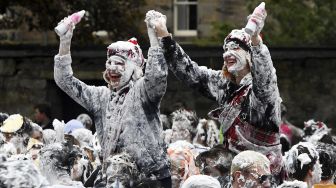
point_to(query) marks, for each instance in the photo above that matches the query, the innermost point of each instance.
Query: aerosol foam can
(75, 18)
(251, 26)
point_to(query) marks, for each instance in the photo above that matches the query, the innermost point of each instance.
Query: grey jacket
(261, 105)
(130, 115)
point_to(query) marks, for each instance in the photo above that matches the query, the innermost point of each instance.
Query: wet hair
(44, 108)
(327, 158)
(312, 127)
(218, 153)
(182, 115)
(27, 127)
(300, 173)
(3, 117)
(328, 139)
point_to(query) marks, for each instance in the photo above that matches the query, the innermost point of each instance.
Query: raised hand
(153, 39)
(258, 18)
(157, 21)
(65, 39)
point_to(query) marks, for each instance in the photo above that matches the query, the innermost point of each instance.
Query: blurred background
(301, 36)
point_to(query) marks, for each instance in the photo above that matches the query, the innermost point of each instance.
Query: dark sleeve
(200, 78)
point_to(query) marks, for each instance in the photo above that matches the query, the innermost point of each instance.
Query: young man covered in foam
(246, 90)
(250, 169)
(126, 112)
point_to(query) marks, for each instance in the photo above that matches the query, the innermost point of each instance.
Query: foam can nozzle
(75, 18)
(251, 26)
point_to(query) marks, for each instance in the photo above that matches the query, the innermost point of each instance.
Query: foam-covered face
(79, 169)
(8, 136)
(119, 171)
(118, 71)
(235, 58)
(200, 137)
(180, 131)
(255, 178)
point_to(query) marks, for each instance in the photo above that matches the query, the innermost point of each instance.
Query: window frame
(186, 32)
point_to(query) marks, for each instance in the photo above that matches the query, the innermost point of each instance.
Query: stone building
(190, 19)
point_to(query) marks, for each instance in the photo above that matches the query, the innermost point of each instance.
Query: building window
(185, 17)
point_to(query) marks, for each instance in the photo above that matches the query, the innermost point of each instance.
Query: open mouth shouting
(230, 61)
(113, 77)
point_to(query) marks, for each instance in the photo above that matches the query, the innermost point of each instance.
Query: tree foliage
(299, 23)
(120, 18)
(288, 23)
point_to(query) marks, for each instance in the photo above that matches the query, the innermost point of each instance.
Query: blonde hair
(248, 160)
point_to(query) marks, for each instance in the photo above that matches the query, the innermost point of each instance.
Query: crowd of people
(246, 142)
(70, 155)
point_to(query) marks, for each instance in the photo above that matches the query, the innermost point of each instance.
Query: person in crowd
(42, 116)
(72, 125)
(293, 184)
(86, 120)
(201, 181)
(215, 162)
(181, 156)
(246, 89)
(126, 112)
(184, 125)
(250, 169)
(33, 147)
(59, 164)
(17, 130)
(49, 136)
(317, 131)
(327, 158)
(302, 164)
(207, 133)
(3, 117)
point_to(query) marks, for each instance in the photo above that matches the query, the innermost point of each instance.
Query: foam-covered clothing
(249, 113)
(128, 119)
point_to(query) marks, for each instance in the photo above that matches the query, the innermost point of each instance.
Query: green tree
(299, 23)
(288, 23)
(120, 18)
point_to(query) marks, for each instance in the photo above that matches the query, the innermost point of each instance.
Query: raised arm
(265, 92)
(155, 78)
(200, 78)
(87, 96)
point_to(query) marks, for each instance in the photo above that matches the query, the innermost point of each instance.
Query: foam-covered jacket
(249, 113)
(126, 120)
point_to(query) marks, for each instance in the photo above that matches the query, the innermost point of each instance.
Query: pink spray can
(75, 18)
(251, 26)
